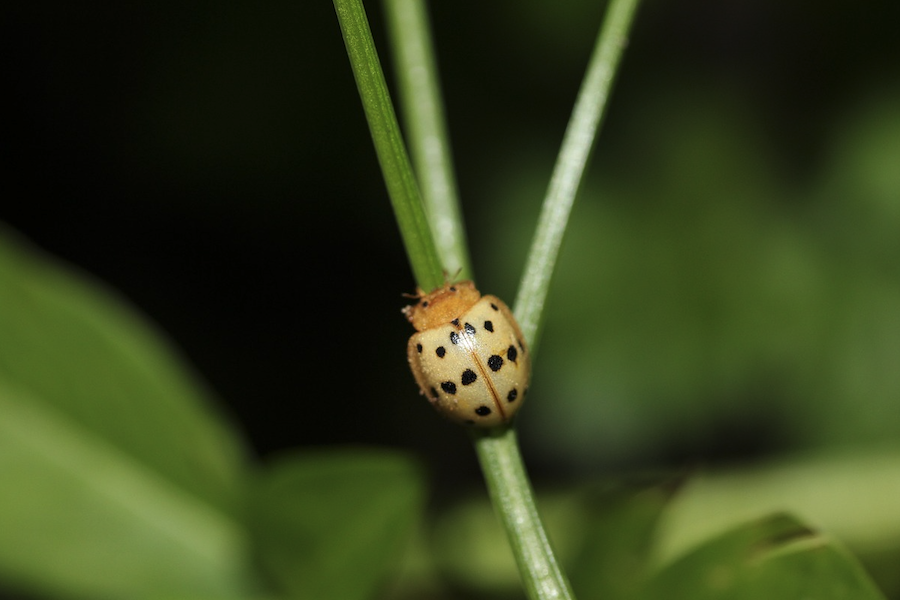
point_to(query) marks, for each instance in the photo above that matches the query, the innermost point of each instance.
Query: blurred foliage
(729, 291)
(330, 525)
(761, 319)
(110, 459)
(120, 481)
(777, 557)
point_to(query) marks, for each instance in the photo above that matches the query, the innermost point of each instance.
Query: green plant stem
(497, 450)
(513, 498)
(570, 165)
(423, 115)
(395, 165)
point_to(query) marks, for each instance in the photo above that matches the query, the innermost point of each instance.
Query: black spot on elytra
(425, 304)
(441, 351)
(454, 338)
(433, 392)
(469, 377)
(452, 288)
(455, 322)
(449, 387)
(495, 363)
(419, 348)
(512, 395)
(494, 306)
(489, 326)
(482, 411)
(470, 329)
(511, 354)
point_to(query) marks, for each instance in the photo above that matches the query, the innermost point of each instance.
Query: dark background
(212, 164)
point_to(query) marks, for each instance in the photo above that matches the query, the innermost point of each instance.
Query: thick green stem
(513, 498)
(395, 165)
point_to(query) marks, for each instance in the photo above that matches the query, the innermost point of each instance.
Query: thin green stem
(570, 165)
(513, 498)
(395, 165)
(423, 114)
(498, 451)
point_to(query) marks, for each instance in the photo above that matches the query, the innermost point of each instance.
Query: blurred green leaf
(77, 348)
(114, 471)
(332, 525)
(471, 550)
(852, 496)
(617, 528)
(776, 557)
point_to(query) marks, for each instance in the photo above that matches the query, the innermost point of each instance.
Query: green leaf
(617, 529)
(776, 557)
(470, 548)
(851, 495)
(114, 471)
(333, 525)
